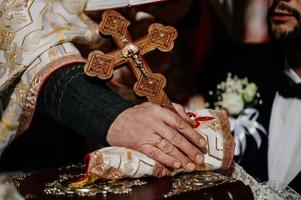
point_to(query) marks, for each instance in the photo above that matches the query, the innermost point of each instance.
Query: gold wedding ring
(158, 141)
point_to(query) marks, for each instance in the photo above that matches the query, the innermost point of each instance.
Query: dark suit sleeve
(83, 104)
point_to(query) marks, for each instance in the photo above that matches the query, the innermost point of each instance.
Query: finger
(181, 111)
(158, 155)
(171, 150)
(176, 122)
(180, 142)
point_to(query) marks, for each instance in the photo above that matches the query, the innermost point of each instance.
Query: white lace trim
(269, 190)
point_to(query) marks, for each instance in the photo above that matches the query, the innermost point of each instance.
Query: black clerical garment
(72, 109)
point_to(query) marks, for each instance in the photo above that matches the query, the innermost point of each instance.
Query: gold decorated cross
(149, 85)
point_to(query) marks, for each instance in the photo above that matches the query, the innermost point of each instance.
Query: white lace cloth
(266, 190)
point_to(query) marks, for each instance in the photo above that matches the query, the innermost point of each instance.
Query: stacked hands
(159, 133)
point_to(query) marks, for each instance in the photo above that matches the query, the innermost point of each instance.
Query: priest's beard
(290, 40)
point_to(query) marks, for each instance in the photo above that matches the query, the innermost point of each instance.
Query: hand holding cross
(148, 128)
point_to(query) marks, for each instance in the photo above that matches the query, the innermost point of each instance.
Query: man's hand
(160, 134)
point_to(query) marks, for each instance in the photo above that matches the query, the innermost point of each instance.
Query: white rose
(250, 92)
(233, 102)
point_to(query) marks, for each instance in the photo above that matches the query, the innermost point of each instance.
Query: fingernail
(190, 166)
(177, 164)
(202, 142)
(199, 158)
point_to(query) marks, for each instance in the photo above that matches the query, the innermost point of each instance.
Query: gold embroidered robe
(36, 39)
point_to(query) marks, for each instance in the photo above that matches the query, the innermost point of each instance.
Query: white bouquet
(238, 97)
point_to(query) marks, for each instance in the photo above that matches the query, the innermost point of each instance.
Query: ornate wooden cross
(148, 84)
